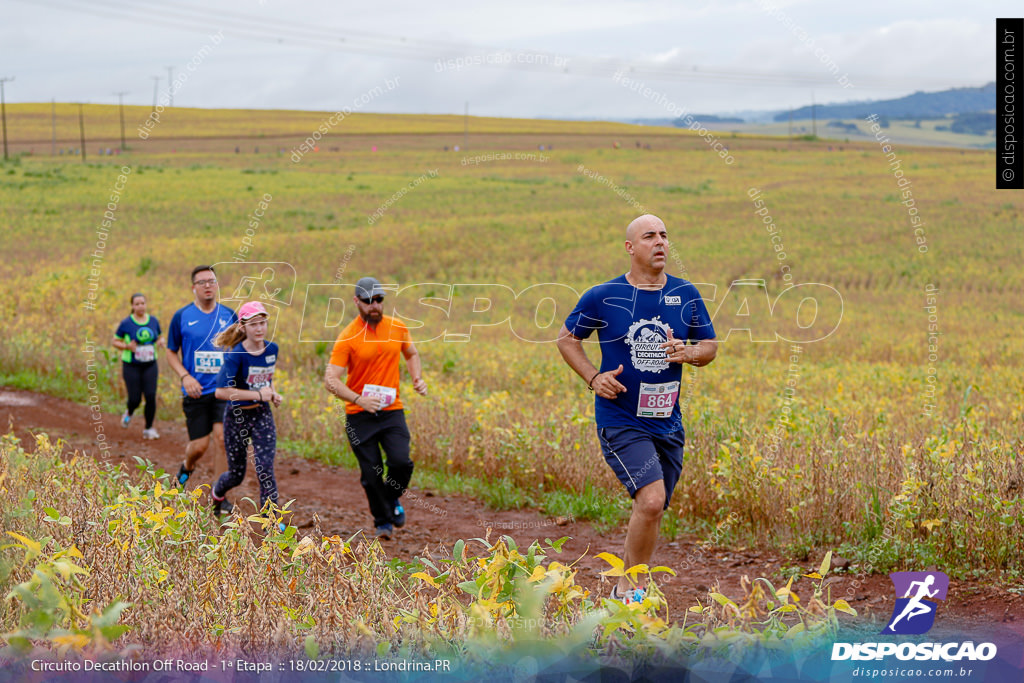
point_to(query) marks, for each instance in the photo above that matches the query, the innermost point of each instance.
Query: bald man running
(648, 324)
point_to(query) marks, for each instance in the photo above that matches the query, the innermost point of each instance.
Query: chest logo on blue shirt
(645, 338)
(673, 301)
(223, 322)
(144, 335)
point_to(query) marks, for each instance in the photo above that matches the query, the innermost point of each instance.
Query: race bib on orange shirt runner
(387, 395)
(657, 400)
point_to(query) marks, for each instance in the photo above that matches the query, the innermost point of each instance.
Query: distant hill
(710, 118)
(704, 119)
(974, 123)
(646, 122)
(920, 105)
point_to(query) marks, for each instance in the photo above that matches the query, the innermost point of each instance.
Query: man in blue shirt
(648, 324)
(191, 332)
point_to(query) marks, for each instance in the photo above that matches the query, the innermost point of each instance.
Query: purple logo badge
(917, 596)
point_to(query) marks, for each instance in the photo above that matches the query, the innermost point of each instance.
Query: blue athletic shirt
(144, 334)
(193, 331)
(242, 370)
(631, 325)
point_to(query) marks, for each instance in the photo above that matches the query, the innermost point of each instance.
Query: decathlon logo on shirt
(914, 614)
(645, 338)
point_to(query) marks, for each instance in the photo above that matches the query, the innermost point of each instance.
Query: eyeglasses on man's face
(377, 299)
(205, 283)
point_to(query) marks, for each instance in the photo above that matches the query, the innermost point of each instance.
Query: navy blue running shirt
(631, 326)
(242, 370)
(193, 331)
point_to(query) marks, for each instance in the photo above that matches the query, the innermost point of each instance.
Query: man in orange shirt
(368, 349)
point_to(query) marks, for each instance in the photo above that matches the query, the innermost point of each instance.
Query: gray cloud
(319, 55)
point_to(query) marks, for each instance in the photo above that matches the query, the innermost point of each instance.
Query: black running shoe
(183, 475)
(222, 508)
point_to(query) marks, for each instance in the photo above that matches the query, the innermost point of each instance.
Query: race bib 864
(657, 400)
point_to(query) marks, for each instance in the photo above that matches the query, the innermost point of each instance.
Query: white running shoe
(150, 434)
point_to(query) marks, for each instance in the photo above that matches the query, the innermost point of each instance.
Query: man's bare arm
(604, 384)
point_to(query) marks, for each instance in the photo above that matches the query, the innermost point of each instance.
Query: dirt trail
(437, 521)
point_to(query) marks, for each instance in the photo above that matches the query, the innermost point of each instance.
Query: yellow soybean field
(867, 395)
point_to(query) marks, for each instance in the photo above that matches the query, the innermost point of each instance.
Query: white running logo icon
(915, 607)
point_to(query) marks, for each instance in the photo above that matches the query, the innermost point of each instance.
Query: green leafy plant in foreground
(54, 609)
(127, 561)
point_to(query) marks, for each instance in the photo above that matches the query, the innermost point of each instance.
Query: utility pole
(156, 87)
(3, 111)
(170, 86)
(53, 127)
(81, 129)
(120, 106)
(814, 116)
(465, 132)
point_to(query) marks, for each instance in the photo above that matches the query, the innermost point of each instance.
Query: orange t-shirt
(371, 356)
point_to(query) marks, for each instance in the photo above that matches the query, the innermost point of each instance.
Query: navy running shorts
(639, 458)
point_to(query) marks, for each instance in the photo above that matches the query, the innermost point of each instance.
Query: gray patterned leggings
(243, 427)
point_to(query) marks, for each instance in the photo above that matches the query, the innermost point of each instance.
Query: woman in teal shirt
(137, 337)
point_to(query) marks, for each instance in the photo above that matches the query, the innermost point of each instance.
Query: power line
(193, 18)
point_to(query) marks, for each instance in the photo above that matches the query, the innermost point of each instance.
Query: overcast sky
(534, 58)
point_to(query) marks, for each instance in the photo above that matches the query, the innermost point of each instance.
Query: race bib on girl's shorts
(387, 395)
(657, 400)
(144, 354)
(259, 377)
(209, 362)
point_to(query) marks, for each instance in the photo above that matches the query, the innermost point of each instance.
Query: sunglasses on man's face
(377, 299)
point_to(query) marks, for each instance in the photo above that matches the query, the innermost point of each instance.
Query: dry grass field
(882, 447)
